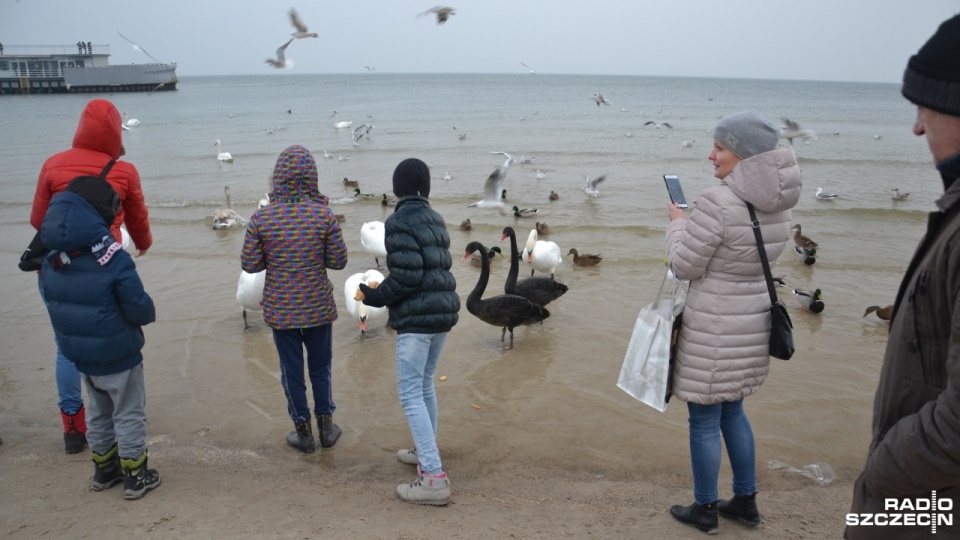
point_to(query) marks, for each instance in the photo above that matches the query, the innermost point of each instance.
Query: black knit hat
(411, 177)
(932, 78)
(99, 193)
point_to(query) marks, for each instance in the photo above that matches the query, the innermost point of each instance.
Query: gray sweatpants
(115, 412)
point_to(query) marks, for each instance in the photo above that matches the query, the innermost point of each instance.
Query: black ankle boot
(329, 432)
(302, 437)
(106, 471)
(741, 508)
(701, 516)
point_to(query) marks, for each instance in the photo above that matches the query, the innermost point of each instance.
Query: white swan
(227, 218)
(125, 238)
(541, 255)
(250, 286)
(221, 155)
(342, 124)
(250, 293)
(358, 309)
(133, 122)
(372, 238)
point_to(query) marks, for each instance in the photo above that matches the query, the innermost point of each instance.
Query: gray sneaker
(433, 489)
(408, 456)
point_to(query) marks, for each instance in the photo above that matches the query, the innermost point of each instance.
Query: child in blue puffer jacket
(97, 305)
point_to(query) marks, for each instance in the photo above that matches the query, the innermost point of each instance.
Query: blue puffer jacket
(96, 300)
(420, 290)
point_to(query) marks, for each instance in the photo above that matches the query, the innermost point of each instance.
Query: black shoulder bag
(36, 252)
(781, 328)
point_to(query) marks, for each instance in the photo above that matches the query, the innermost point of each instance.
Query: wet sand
(538, 440)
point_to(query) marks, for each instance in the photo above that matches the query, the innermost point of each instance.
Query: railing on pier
(42, 50)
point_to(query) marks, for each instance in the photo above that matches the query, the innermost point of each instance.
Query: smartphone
(674, 189)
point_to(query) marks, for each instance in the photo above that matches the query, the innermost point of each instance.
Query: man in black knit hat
(911, 480)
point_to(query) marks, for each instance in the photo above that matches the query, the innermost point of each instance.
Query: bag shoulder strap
(763, 253)
(106, 169)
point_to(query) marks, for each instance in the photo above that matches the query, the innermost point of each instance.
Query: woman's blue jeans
(707, 423)
(417, 357)
(69, 397)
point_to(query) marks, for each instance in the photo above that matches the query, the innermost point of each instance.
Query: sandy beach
(527, 456)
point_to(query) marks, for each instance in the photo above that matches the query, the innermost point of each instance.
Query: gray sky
(834, 40)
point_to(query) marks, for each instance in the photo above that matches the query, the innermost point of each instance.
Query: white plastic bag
(646, 365)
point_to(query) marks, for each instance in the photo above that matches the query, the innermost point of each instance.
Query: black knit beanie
(411, 177)
(932, 78)
(99, 194)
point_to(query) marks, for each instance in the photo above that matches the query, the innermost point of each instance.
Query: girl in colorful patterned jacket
(296, 238)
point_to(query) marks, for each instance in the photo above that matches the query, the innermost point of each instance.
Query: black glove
(371, 297)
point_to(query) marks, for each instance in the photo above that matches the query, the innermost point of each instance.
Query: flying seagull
(492, 189)
(508, 161)
(530, 69)
(792, 130)
(443, 13)
(137, 47)
(281, 61)
(302, 31)
(358, 133)
(591, 187)
(599, 99)
(663, 124)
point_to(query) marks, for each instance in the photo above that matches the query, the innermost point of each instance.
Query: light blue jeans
(69, 398)
(417, 357)
(707, 423)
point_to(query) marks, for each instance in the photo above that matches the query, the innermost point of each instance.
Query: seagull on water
(792, 130)
(823, 195)
(897, 196)
(591, 187)
(541, 175)
(302, 31)
(599, 99)
(492, 188)
(443, 13)
(281, 61)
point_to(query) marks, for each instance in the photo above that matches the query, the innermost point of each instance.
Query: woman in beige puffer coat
(723, 345)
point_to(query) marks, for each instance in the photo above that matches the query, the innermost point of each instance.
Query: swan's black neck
(481, 286)
(511, 283)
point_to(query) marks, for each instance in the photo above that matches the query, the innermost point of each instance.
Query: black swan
(539, 290)
(504, 310)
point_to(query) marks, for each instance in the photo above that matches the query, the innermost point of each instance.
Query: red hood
(99, 128)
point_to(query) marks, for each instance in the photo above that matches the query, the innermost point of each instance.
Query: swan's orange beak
(529, 257)
(503, 237)
(466, 256)
(363, 325)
